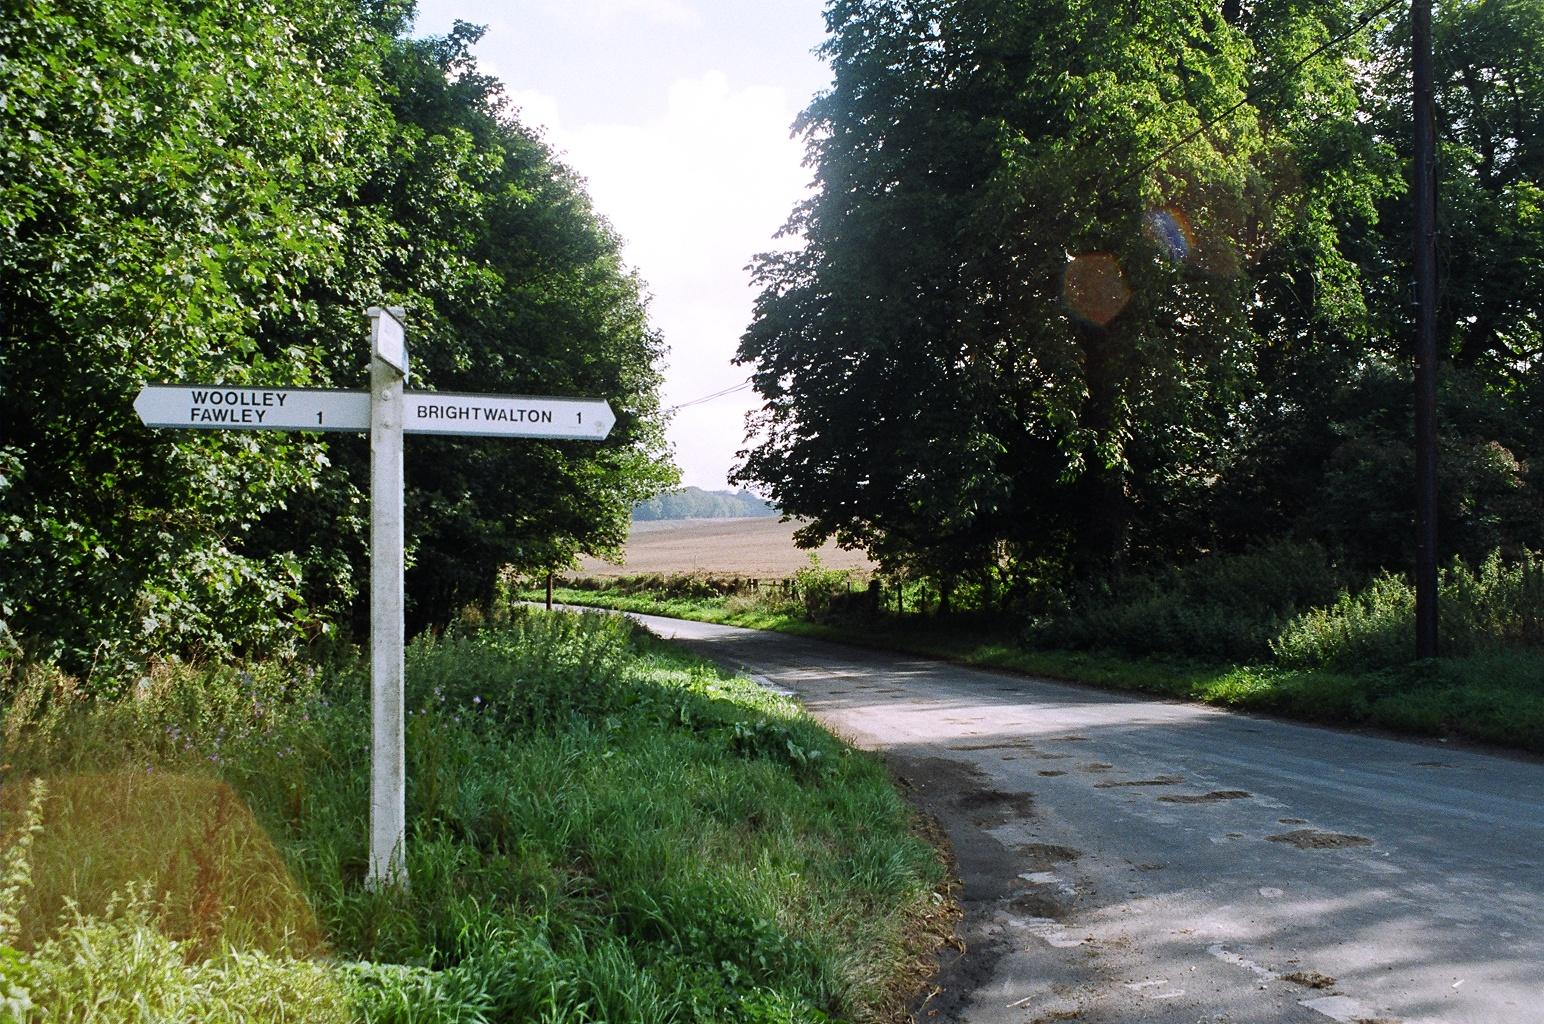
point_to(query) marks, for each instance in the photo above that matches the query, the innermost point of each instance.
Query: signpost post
(387, 411)
(388, 771)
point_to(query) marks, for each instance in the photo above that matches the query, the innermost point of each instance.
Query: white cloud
(537, 110)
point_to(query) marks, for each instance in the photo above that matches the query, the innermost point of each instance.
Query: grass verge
(601, 829)
(1491, 698)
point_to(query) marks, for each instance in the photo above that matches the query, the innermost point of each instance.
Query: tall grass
(1222, 607)
(600, 830)
(1489, 609)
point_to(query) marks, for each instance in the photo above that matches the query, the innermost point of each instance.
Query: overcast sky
(677, 112)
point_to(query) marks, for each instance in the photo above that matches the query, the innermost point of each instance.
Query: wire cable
(709, 398)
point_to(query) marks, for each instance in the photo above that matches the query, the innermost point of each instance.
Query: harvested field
(761, 547)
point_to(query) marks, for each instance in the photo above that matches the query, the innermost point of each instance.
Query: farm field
(739, 547)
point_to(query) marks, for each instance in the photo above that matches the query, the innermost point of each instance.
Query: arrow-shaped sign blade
(439, 412)
(205, 407)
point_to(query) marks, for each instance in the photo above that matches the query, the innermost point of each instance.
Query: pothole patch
(1161, 780)
(1215, 796)
(1313, 839)
(994, 745)
(1042, 855)
(996, 805)
(1037, 904)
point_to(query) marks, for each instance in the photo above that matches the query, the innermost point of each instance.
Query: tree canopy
(1093, 285)
(215, 192)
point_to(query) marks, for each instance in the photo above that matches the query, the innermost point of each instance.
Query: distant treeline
(696, 503)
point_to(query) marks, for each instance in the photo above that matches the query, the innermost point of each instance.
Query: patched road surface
(1131, 861)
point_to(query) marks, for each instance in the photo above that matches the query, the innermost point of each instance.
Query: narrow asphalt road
(1131, 861)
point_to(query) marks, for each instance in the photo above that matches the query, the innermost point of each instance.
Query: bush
(120, 965)
(819, 588)
(1221, 607)
(1497, 606)
(1371, 628)
(533, 672)
(122, 968)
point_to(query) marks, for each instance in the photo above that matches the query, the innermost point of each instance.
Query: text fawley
(225, 414)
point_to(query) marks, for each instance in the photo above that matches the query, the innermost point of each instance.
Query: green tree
(207, 191)
(172, 178)
(1025, 306)
(1327, 447)
(513, 284)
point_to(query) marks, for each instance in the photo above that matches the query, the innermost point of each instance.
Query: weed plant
(600, 830)
(1223, 607)
(1495, 607)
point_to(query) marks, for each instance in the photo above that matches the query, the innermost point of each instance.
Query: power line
(1255, 94)
(709, 398)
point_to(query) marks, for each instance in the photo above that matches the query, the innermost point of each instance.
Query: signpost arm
(388, 814)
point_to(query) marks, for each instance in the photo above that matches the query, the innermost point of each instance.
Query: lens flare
(216, 877)
(1094, 287)
(1169, 228)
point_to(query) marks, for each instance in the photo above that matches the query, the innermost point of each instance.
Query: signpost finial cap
(388, 339)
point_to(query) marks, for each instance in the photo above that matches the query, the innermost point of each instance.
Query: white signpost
(387, 411)
(423, 412)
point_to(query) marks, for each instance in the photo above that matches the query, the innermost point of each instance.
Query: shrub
(1224, 606)
(1370, 628)
(818, 587)
(535, 671)
(1498, 605)
(120, 967)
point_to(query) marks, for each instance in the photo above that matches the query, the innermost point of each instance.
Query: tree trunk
(1101, 492)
